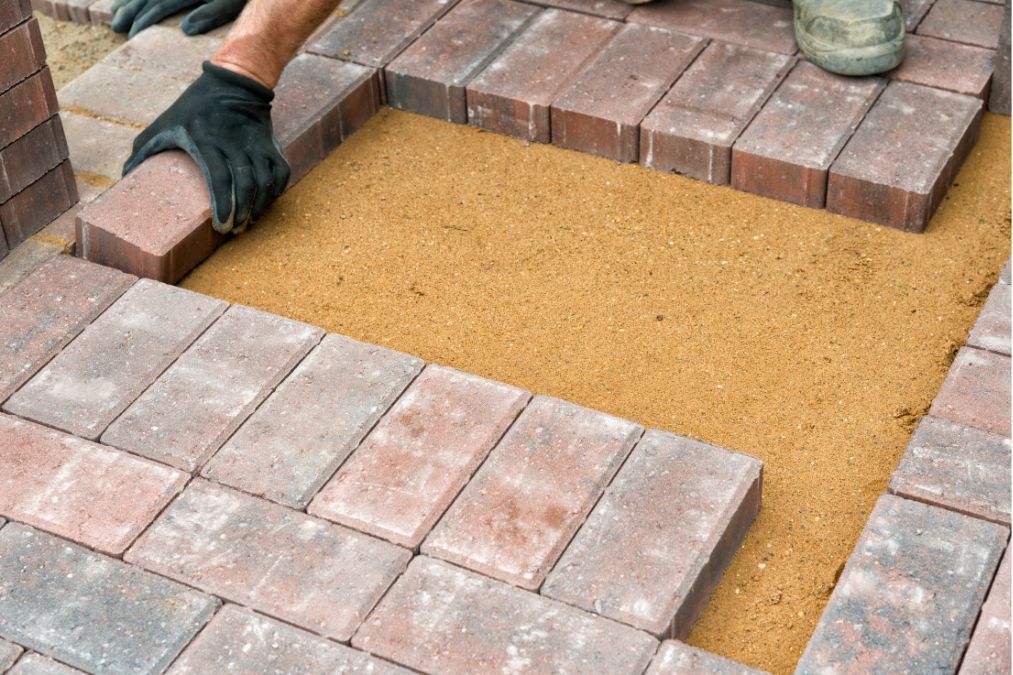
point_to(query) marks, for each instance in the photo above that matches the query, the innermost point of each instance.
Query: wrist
(223, 59)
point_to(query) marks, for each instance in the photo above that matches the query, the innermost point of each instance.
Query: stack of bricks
(36, 180)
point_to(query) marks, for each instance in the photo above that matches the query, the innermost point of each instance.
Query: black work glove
(136, 15)
(223, 121)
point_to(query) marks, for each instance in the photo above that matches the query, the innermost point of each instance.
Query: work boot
(851, 37)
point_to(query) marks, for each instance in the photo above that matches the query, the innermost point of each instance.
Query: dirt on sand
(72, 49)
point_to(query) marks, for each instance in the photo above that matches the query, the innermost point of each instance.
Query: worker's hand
(133, 16)
(223, 121)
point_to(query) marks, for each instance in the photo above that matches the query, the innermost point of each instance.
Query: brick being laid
(753, 24)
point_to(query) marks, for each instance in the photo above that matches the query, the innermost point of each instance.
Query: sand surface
(809, 340)
(72, 49)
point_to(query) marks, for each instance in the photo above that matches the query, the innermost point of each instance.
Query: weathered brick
(165, 50)
(9, 652)
(289, 448)
(956, 467)
(658, 541)
(115, 359)
(61, 599)
(967, 21)
(600, 112)
(513, 94)
(39, 204)
(430, 76)
(989, 650)
(127, 95)
(737, 21)
(608, 9)
(21, 52)
(678, 658)
(26, 105)
(37, 664)
(945, 65)
(914, 11)
(282, 562)
(999, 97)
(47, 310)
(378, 30)
(992, 329)
(786, 151)
(927, 131)
(240, 641)
(412, 465)
(909, 594)
(976, 391)
(31, 157)
(692, 129)
(98, 147)
(521, 509)
(14, 12)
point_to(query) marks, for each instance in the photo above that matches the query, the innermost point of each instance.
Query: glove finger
(123, 16)
(211, 15)
(264, 177)
(219, 180)
(157, 143)
(156, 11)
(244, 189)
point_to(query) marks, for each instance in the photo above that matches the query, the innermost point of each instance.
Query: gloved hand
(223, 121)
(136, 15)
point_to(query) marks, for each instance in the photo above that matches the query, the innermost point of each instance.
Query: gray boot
(851, 37)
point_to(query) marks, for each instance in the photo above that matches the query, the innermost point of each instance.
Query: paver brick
(515, 517)
(37, 664)
(692, 129)
(39, 204)
(976, 392)
(999, 97)
(1004, 273)
(13, 13)
(9, 652)
(958, 468)
(926, 131)
(21, 52)
(97, 496)
(296, 441)
(240, 641)
(165, 50)
(128, 95)
(741, 22)
(914, 11)
(513, 94)
(412, 465)
(31, 157)
(440, 618)
(658, 541)
(306, 571)
(678, 658)
(945, 65)
(909, 594)
(600, 112)
(26, 105)
(115, 359)
(967, 21)
(989, 650)
(47, 310)
(98, 147)
(430, 76)
(608, 9)
(786, 151)
(992, 329)
(61, 599)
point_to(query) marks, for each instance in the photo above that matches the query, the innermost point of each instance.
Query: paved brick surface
(36, 664)
(30, 157)
(66, 602)
(440, 618)
(677, 658)
(165, 50)
(240, 641)
(9, 652)
(999, 98)
(39, 204)
(956, 467)
(914, 11)
(927, 131)
(909, 594)
(1004, 273)
(296, 441)
(992, 329)
(97, 146)
(657, 543)
(21, 52)
(946, 65)
(127, 95)
(408, 470)
(115, 359)
(609, 9)
(47, 310)
(977, 392)
(513, 94)
(430, 76)
(692, 129)
(97, 496)
(787, 150)
(737, 21)
(26, 105)
(967, 21)
(521, 509)
(306, 571)
(600, 112)
(13, 13)
(989, 650)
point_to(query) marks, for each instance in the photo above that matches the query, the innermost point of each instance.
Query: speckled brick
(440, 618)
(600, 112)
(98, 147)
(967, 21)
(37, 664)
(241, 641)
(956, 467)
(927, 131)
(521, 509)
(26, 105)
(989, 650)
(1004, 273)
(692, 129)
(677, 658)
(408, 470)
(999, 97)
(115, 359)
(945, 65)
(513, 94)
(149, 51)
(608, 9)
(14, 12)
(914, 11)
(22, 53)
(284, 563)
(977, 391)
(658, 541)
(309, 426)
(378, 30)
(39, 204)
(787, 150)
(128, 95)
(66, 602)
(992, 329)
(9, 652)
(83, 491)
(430, 76)
(737, 21)
(909, 594)
(30, 157)
(101, 11)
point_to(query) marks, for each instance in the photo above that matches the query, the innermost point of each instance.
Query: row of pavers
(912, 591)
(169, 458)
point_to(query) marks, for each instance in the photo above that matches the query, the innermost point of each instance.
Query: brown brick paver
(992, 329)
(123, 94)
(976, 392)
(26, 105)
(30, 157)
(737, 21)
(989, 650)
(13, 13)
(98, 147)
(39, 204)
(967, 21)
(677, 658)
(945, 65)
(21, 52)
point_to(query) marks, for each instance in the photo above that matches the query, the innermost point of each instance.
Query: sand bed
(809, 340)
(72, 48)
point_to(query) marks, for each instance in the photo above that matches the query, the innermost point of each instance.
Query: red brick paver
(914, 11)
(967, 21)
(21, 52)
(165, 50)
(26, 105)
(677, 658)
(409, 469)
(39, 204)
(608, 9)
(737, 21)
(30, 157)
(989, 650)
(977, 392)
(992, 329)
(13, 13)
(98, 147)
(521, 509)
(124, 94)
(945, 65)
(440, 618)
